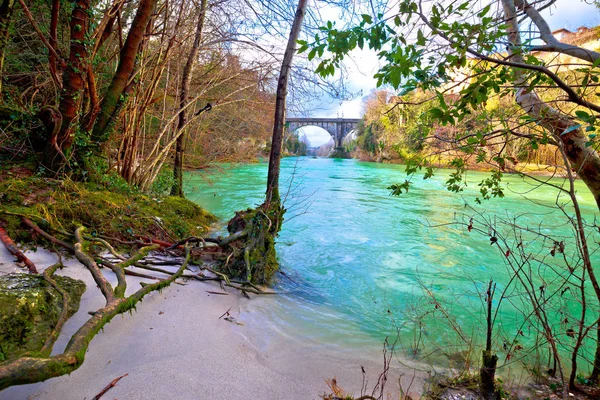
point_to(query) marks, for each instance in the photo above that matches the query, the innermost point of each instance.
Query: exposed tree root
(64, 315)
(14, 250)
(244, 258)
(46, 235)
(36, 369)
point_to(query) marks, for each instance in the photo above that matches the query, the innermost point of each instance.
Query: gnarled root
(36, 369)
(15, 251)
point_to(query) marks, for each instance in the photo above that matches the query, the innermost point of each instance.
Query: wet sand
(174, 346)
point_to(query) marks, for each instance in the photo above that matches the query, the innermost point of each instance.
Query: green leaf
(484, 11)
(421, 38)
(436, 113)
(367, 18)
(585, 116)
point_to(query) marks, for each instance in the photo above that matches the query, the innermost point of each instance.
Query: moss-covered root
(64, 314)
(252, 243)
(31, 369)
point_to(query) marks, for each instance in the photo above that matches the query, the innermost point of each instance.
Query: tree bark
(126, 65)
(272, 195)
(177, 189)
(585, 160)
(15, 251)
(59, 145)
(489, 359)
(6, 9)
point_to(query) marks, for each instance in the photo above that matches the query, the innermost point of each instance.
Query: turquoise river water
(358, 263)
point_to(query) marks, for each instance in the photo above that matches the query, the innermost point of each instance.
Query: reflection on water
(355, 258)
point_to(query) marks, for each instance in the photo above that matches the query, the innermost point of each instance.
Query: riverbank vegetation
(96, 109)
(401, 129)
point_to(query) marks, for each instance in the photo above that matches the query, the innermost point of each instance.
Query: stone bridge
(338, 128)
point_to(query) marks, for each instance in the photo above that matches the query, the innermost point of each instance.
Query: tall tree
(272, 195)
(186, 76)
(127, 60)
(62, 124)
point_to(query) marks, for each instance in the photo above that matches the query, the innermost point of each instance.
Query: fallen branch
(127, 272)
(109, 386)
(15, 251)
(192, 240)
(225, 313)
(137, 274)
(45, 234)
(162, 243)
(108, 246)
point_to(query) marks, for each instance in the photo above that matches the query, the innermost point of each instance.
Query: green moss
(261, 229)
(64, 205)
(29, 310)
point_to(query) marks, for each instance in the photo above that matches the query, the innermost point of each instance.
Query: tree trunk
(59, 145)
(6, 9)
(127, 59)
(177, 189)
(52, 61)
(489, 360)
(595, 375)
(272, 195)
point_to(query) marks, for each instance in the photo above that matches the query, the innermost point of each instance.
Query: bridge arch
(338, 128)
(316, 135)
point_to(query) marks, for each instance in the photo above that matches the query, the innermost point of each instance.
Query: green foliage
(163, 182)
(478, 119)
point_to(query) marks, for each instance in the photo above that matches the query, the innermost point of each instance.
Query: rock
(29, 310)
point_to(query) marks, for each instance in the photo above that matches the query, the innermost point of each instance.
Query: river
(358, 263)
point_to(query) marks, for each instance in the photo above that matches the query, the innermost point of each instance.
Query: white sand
(174, 346)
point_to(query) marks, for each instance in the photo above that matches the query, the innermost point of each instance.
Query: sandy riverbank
(174, 346)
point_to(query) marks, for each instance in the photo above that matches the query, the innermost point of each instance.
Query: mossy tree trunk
(6, 10)
(253, 232)
(61, 140)
(177, 189)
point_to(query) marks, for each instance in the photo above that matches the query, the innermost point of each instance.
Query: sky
(362, 65)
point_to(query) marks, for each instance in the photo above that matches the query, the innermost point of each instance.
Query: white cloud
(571, 14)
